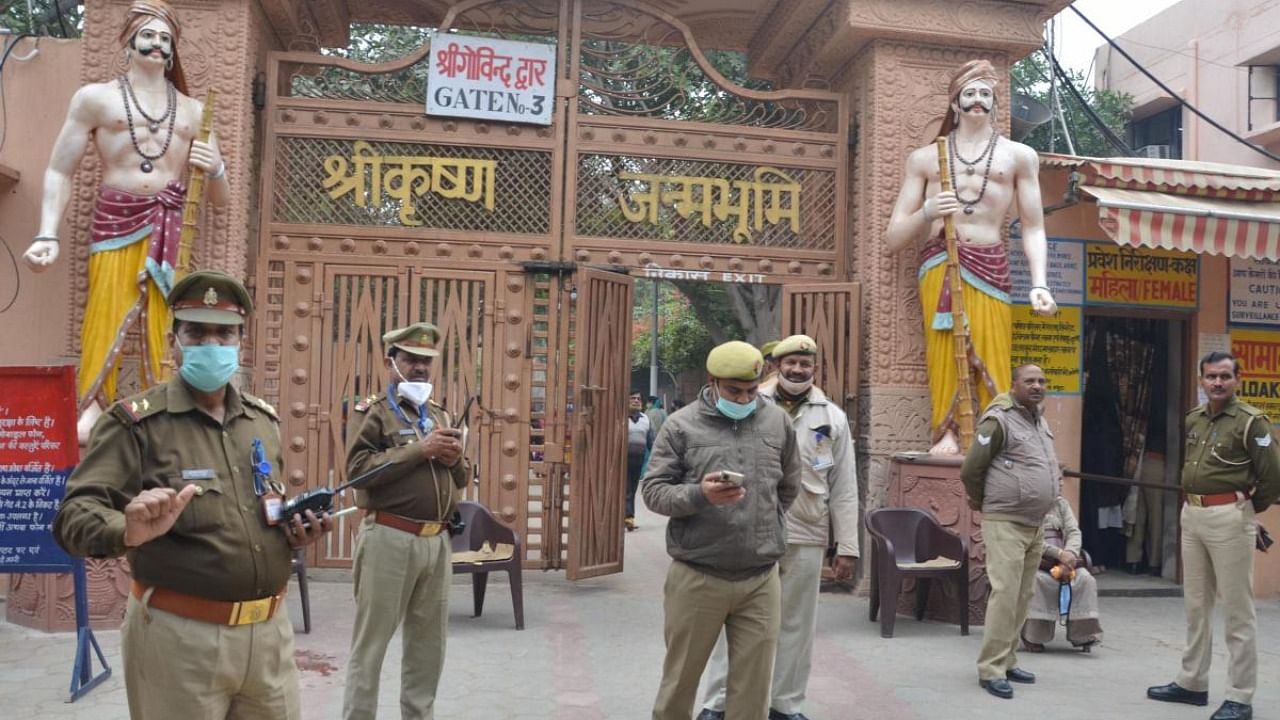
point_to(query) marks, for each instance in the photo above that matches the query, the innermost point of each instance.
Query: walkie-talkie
(320, 500)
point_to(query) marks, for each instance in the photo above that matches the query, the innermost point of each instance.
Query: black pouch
(1263, 539)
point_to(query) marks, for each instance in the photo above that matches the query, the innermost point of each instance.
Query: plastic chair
(909, 543)
(299, 567)
(482, 527)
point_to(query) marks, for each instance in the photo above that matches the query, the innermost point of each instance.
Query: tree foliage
(56, 18)
(1031, 78)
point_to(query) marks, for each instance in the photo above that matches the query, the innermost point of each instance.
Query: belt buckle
(1195, 500)
(429, 529)
(248, 612)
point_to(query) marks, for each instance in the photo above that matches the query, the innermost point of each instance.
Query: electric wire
(1256, 148)
(1108, 134)
(4, 132)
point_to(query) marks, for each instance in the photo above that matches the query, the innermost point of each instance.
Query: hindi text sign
(491, 79)
(1064, 271)
(1255, 292)
(770, 197)
(1053, 343)
(1259, 354)
(37, 453)
(1123, 275)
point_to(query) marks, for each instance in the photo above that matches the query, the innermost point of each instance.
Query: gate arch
(643, 170)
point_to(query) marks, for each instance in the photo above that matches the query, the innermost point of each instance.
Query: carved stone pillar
(224, 45)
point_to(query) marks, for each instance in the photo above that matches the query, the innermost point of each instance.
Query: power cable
(1258, 149)
(1108, 134)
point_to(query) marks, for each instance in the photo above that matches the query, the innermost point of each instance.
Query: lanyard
(424, 423)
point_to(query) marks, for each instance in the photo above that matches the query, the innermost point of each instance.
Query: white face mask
(417, 393)
(794, 389)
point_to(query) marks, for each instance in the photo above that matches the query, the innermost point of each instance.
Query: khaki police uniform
(1231, 471)
(403, 560)
(205, 633)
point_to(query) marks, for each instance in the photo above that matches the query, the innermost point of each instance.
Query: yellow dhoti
(990, 319)
(133, 242)
(114, 305)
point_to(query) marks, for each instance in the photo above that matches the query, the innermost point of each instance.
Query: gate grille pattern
(521, 181)
(599, 189)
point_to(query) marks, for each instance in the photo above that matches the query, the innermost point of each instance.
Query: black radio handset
(320, 500)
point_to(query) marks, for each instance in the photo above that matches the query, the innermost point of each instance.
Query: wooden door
(602, 374)
(830, 313)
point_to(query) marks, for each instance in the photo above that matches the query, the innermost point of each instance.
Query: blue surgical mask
(735, 411)
(209, 367)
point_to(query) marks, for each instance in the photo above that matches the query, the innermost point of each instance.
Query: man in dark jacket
(1011, 474)
(724, 469)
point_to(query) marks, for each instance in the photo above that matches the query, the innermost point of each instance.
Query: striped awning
(1177, 177)
(1235, 228)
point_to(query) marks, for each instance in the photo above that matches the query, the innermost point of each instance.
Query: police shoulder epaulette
(366, 403)
(137, 408)
(1249, 409)
(260, 404)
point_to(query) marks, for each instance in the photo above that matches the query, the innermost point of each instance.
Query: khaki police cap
(801, 344)
(735, 360)
(768, 348)
(209, 296)
(417, 339)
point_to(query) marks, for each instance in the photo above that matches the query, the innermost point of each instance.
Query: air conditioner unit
(1155, 151)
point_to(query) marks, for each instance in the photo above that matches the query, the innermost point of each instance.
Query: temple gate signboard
(486, 78)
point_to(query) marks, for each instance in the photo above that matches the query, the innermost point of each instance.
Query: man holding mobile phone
(725, 469)
(403, 561)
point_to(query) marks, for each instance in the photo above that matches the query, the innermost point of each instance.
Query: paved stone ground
(593, 650)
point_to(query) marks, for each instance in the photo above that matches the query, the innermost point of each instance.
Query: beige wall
(1194, 47)
(1081, 222)
(36, 93)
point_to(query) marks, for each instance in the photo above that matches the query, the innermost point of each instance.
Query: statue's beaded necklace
(153, 123)
(970, 168)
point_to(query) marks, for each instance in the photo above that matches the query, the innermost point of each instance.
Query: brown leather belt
(421, 528)
(219, 612)
(1222, 498)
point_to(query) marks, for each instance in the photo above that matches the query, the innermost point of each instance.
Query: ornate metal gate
(654, 164)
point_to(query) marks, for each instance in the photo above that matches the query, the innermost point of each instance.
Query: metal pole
(653, 345)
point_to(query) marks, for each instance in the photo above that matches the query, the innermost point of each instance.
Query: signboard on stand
(38, 451)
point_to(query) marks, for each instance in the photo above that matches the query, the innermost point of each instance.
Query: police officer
(184, 479)
(403, 560)
(1230, 472)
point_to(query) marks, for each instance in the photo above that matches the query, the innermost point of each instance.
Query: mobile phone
(461, 420)
(731, 477)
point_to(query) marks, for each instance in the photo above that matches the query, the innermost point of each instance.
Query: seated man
(1062, 552)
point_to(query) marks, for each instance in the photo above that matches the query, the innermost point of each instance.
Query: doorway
(1131, 423)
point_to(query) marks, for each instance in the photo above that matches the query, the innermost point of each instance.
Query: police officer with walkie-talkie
(403, 559)
(184, 479)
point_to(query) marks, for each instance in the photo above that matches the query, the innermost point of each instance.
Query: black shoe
(997, 687)
(1019, 675)
(1232, 710)
(1173, 692)
(709, 714)
(775, 715)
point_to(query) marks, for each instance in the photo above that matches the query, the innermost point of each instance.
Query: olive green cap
(767, 348)
(209, 296)
(801, 344)
(419, 338)
(735, 360)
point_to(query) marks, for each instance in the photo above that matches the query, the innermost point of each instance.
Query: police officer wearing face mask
(182, 479)
(724, 469)
(403, 560)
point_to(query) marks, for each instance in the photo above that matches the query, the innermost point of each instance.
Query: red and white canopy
(1198, 207)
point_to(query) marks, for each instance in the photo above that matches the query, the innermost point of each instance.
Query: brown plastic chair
(299, 566)
(482, 527)
(909, 543)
